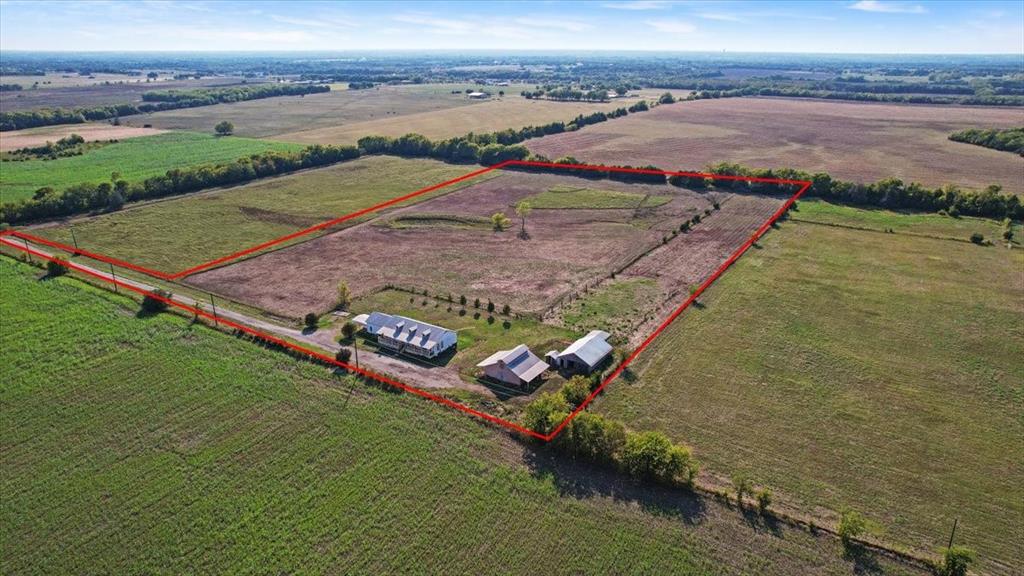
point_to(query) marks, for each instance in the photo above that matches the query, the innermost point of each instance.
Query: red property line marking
(804, 186)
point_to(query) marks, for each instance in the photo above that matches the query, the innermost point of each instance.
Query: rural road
(412, 374)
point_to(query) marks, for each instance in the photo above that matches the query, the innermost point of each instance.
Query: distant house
(517, 366)
(406, 335)
(478, 95)
(583, 355)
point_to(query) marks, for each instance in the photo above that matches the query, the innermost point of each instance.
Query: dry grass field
(446, 245)
(852, 141)
(337, 108)
(86, 95)
(511, 111)
(12, 140)
(849, 367)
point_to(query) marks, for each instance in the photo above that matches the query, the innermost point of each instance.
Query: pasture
(511, 111)
(135, 159)
(75, 93)
(841, 367)
(566, 249)
(850, 141)
(274, 117)
(140, 445)
(181, 232)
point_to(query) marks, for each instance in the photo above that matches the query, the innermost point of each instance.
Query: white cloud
(567, 25)
(637, 5)
(719, 16)
(453, 27)
(672, 26)
(313, 23)
(888, 7)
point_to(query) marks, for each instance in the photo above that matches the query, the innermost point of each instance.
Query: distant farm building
(478, 95)
(518, 366)
(583, 355)
(406, 335)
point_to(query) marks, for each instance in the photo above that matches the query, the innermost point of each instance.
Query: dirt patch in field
(16, 139)
(862, 142)
(566, 250)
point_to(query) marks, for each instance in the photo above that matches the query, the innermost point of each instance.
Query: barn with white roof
(517, 366)
(583, 355)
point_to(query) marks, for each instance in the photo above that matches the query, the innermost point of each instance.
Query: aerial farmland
(449, 307)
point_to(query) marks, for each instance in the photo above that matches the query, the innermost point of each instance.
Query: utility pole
(28, 255)
(955, 520)
(355, 346)
(216, 321)
(75, 240)
(113, 277)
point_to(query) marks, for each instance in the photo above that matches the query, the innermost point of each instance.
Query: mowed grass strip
(934, 225)
(182, 232)
(850, 368)
(135, 159)
(564, 197)
(155, 446)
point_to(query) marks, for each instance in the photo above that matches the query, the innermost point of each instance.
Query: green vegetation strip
(563, 197)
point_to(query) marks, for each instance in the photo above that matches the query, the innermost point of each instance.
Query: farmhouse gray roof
(407, 330)
(591, 349)
(519, 360)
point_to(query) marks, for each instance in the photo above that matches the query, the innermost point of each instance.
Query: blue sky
(850, 26)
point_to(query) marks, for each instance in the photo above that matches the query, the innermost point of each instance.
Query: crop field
(136, 159)
(843, 367)
(185, 231)
(335, 109)
(566, 249)
(512, 111)
(14, 139)
(139, 445)
(63, 95)
(850, 141)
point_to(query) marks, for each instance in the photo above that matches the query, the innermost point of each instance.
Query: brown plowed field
(567, 249)
(862, 142)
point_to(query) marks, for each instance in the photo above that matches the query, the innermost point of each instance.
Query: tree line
(1008, 140)
(154, 101)
(793, 92)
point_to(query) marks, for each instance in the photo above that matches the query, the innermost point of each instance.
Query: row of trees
(796, 92)
(86, 197)
(154, 102)
(644, 455)
(1009, 140)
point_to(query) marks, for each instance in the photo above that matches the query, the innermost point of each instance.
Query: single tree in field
(523, 210)
(224, 128)
(344, 296)
(851, 526)
(955, 561)
(500, 222)
(311, 321)
(348, 330)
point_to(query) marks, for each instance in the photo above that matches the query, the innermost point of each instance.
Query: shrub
(344, 296)
(977, 238)
(462, 300)
(764, 500)
(57, 267)
(544, 413)
(651, 455)
(851, 526)
(505, 310)
(490, 319)
(741, 483)
(476, 303)
(595, 437)
(576, 390)
(955, 561)
(348, 330)
(153, 305)
(476, 315)
(490, 306)
(343, 355)
(311, 320)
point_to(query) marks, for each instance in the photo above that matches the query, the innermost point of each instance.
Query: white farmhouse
(406, 335)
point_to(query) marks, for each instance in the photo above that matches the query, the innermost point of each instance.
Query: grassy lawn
(849, 368)
(179, 233)
(136, 159)
(562, 197)
(613, 307)
(912, 223)
(478, 338)
(153, 446)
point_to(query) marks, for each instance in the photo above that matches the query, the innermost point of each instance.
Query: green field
(136, 159)
(181, 232)
(149, 445)
(613, 307)
(854, 368)
(564, 197)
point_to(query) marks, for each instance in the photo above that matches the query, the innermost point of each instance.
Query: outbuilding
(518, 366)
(583, 355)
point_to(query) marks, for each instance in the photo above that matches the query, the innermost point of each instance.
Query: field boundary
(6, 238)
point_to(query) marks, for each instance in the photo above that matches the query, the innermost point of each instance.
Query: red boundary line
(804, 185)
